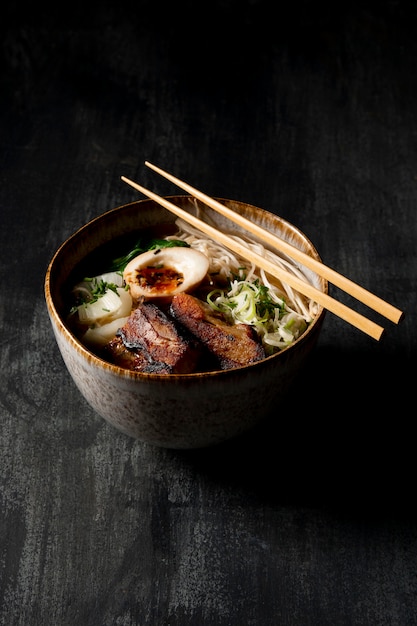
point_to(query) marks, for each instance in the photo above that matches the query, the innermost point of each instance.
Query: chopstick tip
(400, 316)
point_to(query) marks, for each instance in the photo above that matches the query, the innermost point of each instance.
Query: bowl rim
(91, 357)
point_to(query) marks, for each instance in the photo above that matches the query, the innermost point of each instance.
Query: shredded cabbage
(252, 303)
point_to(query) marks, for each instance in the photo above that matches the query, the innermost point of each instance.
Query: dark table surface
(307, 111)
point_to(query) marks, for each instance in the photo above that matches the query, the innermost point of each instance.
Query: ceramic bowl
(178, 410)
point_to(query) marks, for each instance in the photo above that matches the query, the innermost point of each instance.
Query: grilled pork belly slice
(233, 345)
(137, 360)
(151, 342)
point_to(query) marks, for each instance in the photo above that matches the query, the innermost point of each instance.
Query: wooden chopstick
(347, 285)
(352, 317)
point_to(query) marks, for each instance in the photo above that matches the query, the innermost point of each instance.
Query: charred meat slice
(234, 345)
(154, 343)
(137, 360)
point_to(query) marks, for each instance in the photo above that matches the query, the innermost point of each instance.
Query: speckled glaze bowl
(178, 411)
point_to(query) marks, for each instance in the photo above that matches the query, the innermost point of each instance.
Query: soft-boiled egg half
(162, 273)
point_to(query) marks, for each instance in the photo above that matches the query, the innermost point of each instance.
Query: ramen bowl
(179, 411)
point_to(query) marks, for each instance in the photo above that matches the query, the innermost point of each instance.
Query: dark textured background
(309, 111)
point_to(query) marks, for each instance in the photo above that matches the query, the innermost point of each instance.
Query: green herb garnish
(119, 264)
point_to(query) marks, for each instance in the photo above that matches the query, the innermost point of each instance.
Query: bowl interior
(81, 254)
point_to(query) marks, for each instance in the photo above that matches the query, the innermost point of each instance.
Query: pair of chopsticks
(344, 312)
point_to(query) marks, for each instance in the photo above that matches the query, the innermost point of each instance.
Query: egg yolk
(159, 278)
